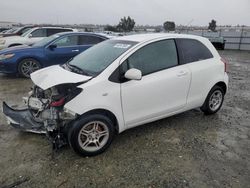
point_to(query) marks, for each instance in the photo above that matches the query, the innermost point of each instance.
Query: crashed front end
(43, 110)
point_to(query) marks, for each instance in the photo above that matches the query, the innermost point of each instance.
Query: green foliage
(169, 26)
(126, 24)
(111, 28)
(212, 26)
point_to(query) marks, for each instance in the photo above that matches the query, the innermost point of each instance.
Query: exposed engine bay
(44, 112)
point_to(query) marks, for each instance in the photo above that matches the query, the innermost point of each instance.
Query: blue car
(56, 49)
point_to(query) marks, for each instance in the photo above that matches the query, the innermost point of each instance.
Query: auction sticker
(124, 46)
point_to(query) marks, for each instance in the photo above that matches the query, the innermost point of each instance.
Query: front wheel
(213, 101)
(27, 66)
(91, 135)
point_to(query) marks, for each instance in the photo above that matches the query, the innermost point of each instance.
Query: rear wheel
(213, 101)
(91, 135)
(27, 66)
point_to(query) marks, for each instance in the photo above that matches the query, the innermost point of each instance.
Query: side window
(153, 57)
(54, 31)
(39, 33)
(87, 40)
(191, 50)
(67, 41)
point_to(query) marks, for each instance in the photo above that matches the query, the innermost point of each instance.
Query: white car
(119, 84)
(31, 36)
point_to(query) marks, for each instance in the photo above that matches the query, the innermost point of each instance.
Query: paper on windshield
(123, 46)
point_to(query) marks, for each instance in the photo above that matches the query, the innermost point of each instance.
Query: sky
(144, 12)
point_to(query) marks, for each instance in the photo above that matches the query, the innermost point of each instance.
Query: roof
(86, 33)
(49, 27)
(34, 28)
(152, 36)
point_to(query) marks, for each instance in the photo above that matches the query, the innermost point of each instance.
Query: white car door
(205, 69)
(163, 88)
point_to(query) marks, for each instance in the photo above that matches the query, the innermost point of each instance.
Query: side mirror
(30, 35)
(133, 74)
(52, 46)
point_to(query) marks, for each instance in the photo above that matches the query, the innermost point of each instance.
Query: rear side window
(39, 33)
(153, 57)
(87, 40)
(191, 50)
(54, 31)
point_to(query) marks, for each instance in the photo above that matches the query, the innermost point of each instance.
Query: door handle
(75, 50)
(182, 73)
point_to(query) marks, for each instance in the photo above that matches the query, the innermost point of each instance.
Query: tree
(169, 26)
(126, 24)
(111, 28)
(212, 26)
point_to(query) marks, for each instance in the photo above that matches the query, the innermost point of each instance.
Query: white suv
(119, 84)
(31, 36)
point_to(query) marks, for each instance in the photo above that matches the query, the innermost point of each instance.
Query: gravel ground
(186, 150)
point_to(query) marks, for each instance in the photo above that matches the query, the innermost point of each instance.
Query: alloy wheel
(29, 66)
(93, 136)
(215, 100)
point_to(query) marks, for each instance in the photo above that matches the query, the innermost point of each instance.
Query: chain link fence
(236, 39)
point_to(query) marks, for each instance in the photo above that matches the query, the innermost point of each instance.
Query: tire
(213, 101)
(27, 66)
(85, 132)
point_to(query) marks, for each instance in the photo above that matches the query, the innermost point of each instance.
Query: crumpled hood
(56, 75)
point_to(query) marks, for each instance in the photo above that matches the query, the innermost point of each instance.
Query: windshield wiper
(77, 69)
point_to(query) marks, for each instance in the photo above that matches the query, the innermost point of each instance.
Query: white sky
(152, 12)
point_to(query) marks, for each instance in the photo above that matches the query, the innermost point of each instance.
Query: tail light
(58, 103)
(223, 60)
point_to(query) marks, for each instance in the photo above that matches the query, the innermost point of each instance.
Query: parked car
(17, 31)
(56, 49)
(11, 30)
(119, 84)
(31, 36)
(4, 29)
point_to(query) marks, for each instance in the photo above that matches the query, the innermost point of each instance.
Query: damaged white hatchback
(119, 84)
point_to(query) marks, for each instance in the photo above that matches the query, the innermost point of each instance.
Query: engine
(46, 107)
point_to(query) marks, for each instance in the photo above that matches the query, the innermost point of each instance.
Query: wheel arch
(15, 44)
(107, 113)
(29, 57)
(222, 85)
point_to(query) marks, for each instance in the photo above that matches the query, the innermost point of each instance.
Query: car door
(86, 41)
(62, 50)
(163, 88)
(204, 68)
(37, 35)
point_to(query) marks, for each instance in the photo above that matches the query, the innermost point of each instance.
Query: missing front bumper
(23, 120)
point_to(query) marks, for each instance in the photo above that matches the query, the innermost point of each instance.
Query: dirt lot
(187, 150)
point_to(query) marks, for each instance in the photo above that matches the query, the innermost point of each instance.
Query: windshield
(94, 60)
(23, 30)
(45, 41)
(26, 33)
